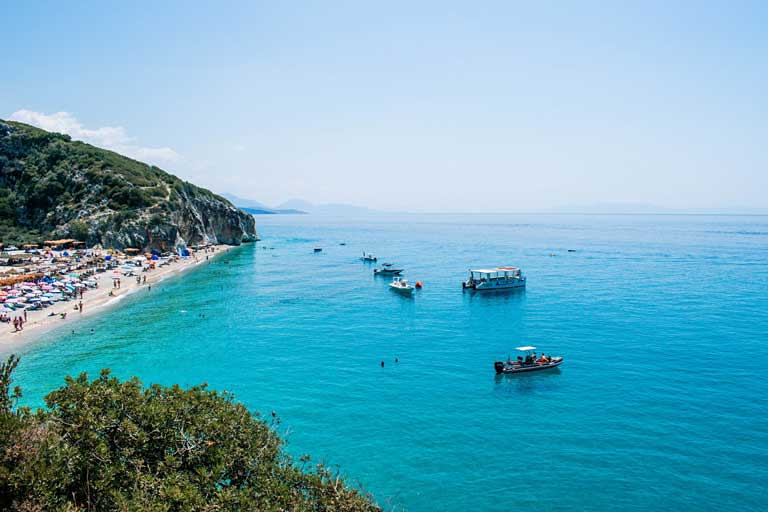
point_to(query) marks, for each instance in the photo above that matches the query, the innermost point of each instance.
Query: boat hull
(506, 368)
(378, 272)
(494, 286)
(402, 291)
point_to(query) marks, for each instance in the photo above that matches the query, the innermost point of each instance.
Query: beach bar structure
(64, 243)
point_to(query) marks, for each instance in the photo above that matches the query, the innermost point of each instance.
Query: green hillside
(53, 186)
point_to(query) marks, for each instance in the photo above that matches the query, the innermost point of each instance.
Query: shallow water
(661, 403)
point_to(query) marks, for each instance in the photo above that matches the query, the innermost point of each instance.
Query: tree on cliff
(111, 445)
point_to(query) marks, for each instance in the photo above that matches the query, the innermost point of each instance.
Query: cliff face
(51, 186)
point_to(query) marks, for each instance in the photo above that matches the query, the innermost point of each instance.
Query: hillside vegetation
(111, 445)
(51, 186)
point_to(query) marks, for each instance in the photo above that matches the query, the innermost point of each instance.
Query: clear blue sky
(485, 106)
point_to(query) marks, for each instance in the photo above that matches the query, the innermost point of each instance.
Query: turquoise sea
(661, 404)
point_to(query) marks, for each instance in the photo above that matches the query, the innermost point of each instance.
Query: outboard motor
(499, 366)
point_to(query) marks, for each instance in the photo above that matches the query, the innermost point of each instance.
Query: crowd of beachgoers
(54, 283)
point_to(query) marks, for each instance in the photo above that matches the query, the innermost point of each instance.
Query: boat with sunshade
(499, 278)
(527, 363)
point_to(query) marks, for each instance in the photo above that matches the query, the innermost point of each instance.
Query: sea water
(661, 403)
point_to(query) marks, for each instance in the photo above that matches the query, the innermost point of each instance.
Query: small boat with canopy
(527, 363)
(499, 278)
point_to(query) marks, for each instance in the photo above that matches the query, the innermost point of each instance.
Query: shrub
(111, 445)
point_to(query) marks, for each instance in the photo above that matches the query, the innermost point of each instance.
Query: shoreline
(95, 301)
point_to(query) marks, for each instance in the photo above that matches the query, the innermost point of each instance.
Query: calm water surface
(662, 402)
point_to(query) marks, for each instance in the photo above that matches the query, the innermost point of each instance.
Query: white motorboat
(401, 286)
(499, 278)
(529, 363)
(368, 258)
(387, 269)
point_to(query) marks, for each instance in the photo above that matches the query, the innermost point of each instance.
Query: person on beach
(15, 324)
(145, 279)
(81, 306)
(25, 315)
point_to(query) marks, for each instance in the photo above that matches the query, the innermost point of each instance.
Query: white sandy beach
(96, 300)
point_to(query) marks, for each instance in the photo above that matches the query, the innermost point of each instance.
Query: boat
(499, 278)
(401, 286)
(318, 249)
(387, 270)
(369, 258)
(529, 363)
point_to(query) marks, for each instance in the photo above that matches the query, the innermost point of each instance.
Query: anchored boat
(401, 286)
(369, 258)
(529, 363)
(387, 270)
(499, 278)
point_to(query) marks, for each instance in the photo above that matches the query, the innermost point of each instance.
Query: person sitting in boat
(543, 359)
(528, 359)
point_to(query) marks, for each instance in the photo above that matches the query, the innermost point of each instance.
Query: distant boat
(318, 249)
(401, 286)
(527, 364)
(369, 258)
(500, 278)
(387, 270)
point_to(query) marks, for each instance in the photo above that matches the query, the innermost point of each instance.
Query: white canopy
(494, 270)
(525, 349)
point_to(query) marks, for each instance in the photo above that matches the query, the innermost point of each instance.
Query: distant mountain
(256, 208)
(54, 187)
(326, 209)
(651, 209)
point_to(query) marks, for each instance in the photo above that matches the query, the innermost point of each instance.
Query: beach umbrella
(79, 285)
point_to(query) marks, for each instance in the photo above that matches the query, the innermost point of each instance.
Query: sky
(419, 106)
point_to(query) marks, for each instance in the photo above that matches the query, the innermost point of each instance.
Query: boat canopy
(494, 270)
(525, 349)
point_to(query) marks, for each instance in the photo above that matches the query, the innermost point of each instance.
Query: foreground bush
(112, 445)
